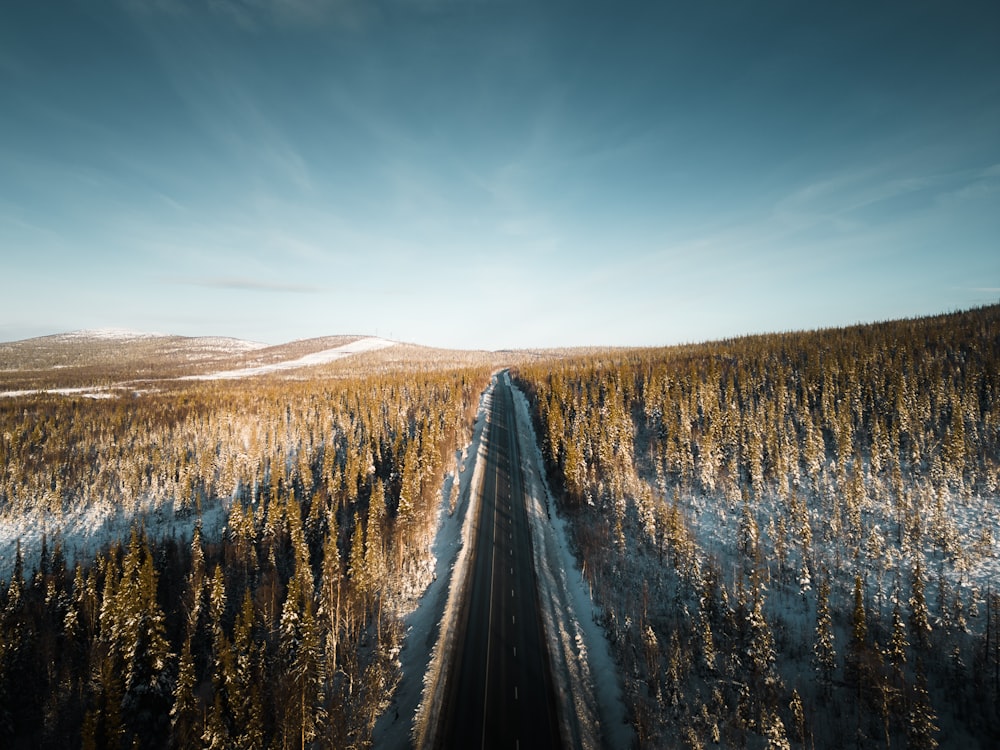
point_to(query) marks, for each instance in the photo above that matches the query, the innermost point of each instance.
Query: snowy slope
(309, 360)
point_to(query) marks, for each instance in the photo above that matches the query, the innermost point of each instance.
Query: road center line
(493, 560)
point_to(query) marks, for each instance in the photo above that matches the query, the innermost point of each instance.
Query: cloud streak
(246, 285)
(256, 15)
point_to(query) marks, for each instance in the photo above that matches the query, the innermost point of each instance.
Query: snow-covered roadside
(430, 627)
(84, 532)
(591, 708)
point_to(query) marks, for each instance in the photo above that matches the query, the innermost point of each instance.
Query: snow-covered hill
(322, 357)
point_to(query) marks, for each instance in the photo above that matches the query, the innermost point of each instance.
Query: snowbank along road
(499, 691)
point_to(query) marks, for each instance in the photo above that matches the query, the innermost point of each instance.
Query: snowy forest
(793, 538)
(278, 630)
(791, 541)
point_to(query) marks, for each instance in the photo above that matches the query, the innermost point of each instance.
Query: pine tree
(749, 534)
(223, 668)
(409, 493)
(824, 655)
(374, 563)
(897, 641)
(185, 712)
(308, 673)
(356, 569)
(921, 730)
(774, 731)
(765, 680)
(855, 672)
(708, 651)
(799, 716)
(920, 623)
(299, 646)
(216, 733)
(330, 583)
(244, 690)
(142, 643)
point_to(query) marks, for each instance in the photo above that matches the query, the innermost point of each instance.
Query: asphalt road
(499, 692)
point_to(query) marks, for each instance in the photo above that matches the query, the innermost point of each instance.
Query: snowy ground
(430, 626)
(316, 358)
(108, 334)
(589, 692)
(96, 391)
(86, 531)
(210, 343)
(974, 521)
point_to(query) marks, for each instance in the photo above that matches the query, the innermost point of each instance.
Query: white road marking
(493, 561)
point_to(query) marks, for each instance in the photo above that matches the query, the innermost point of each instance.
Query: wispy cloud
(246, 285)
(254, 15)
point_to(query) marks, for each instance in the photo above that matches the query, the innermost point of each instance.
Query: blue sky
(489, 174)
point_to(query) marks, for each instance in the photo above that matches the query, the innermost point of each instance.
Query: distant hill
(84, 358)
(81, 361)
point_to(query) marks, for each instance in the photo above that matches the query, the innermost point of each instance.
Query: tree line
(792, 537)
(281, 631)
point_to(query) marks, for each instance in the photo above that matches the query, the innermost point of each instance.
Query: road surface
(499, 692)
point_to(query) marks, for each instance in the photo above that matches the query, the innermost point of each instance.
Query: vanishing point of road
(499, 691)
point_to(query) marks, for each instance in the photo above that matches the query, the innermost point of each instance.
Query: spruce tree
(374, 562)
(856, 648)
(920, 623)
(921, 729)
(244, 690)
(144, 649)
(185, 713)
(824, 655)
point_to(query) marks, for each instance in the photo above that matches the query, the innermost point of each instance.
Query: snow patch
(316, 358)
(86, 530)
(224, 343)
(110, 334)
(87, 392)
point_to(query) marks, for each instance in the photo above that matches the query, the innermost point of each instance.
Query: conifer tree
(301, 661)
(856, 648)
(223, 668)
(799, 717)
(330, 585)
(374, 563)
(761, 655)
(921, 729)
(409, 493)
(244, 690)
(356, 567)
(216, 733)
(142, 643)
(185, 711)
(774, 731)
(824, 655)
(920, 623)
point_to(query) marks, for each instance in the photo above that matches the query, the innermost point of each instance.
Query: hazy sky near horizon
(491, 174)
